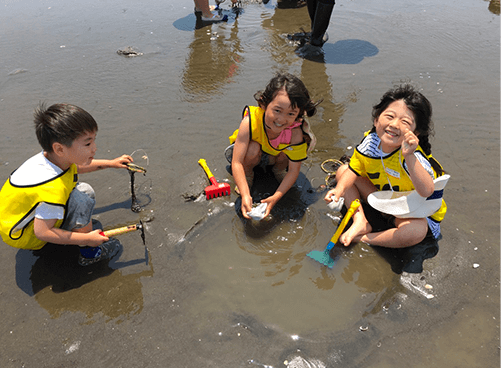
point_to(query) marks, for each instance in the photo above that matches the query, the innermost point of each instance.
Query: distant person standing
(320, 12)
(203, 10)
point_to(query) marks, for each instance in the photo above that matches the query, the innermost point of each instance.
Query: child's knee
(87, 189)
(84, 229)
(253, 154)
(341, 170)
(253, 149)
(417, 229)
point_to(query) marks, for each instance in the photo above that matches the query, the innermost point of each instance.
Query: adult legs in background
(203, 7)
(320, 12)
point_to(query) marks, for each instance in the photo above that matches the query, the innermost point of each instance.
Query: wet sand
(209, 290)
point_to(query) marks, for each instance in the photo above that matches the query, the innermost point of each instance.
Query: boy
(41, 201)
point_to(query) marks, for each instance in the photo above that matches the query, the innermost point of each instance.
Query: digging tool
(125, 229)
(133, 169)
(324, 257)
(128, 229)
(136, 168)
(215, 189)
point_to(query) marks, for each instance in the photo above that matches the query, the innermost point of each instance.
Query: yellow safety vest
(392, 171)
(295, 152)
(18, 202)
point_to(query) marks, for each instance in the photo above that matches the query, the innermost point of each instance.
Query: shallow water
(209, 290)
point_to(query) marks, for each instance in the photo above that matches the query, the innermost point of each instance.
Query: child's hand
(409, 143)
(332, 196)
(121, 162)
(95, 239)
(271, 201)
(246, 206)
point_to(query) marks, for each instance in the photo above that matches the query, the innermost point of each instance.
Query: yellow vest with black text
(295, 152)
(19, 202)
(392, 171)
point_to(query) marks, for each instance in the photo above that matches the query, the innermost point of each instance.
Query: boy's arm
(98, 164)
(45, 230)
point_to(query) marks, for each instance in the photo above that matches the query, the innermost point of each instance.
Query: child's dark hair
(418, 104)
(295, 89)
(61, 123)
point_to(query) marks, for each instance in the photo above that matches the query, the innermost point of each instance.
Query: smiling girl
(273, 133)
(395, 155)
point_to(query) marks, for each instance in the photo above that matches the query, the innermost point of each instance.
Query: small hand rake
(324, 257)
(215, 189)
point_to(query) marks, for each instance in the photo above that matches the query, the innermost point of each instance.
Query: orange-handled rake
(215, 189)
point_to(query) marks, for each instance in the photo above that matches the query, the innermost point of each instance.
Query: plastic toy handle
(119, 230)
(353, 207)
(211, 177)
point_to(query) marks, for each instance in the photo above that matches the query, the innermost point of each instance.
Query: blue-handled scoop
(324, 257)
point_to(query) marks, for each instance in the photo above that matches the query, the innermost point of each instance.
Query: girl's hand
(246, 206)
(271, 201)
(409, 143)
(121, 162)
(332, 195)
(95, 239)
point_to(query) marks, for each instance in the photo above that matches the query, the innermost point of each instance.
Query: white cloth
(258, 212)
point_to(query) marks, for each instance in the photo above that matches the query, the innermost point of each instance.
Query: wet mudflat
(209, 290)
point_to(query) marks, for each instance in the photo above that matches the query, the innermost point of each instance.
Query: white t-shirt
(35, 170)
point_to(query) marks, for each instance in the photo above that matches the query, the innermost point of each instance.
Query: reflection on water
(334, 51)
(116, 297)
(289, 223)
(60, 285)
(266, 272)
(213, 60)
(325, 281)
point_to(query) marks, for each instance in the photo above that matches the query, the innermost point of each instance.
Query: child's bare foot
(357, 230)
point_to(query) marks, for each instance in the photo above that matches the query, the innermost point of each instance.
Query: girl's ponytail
(311, 107)
(424, 143)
